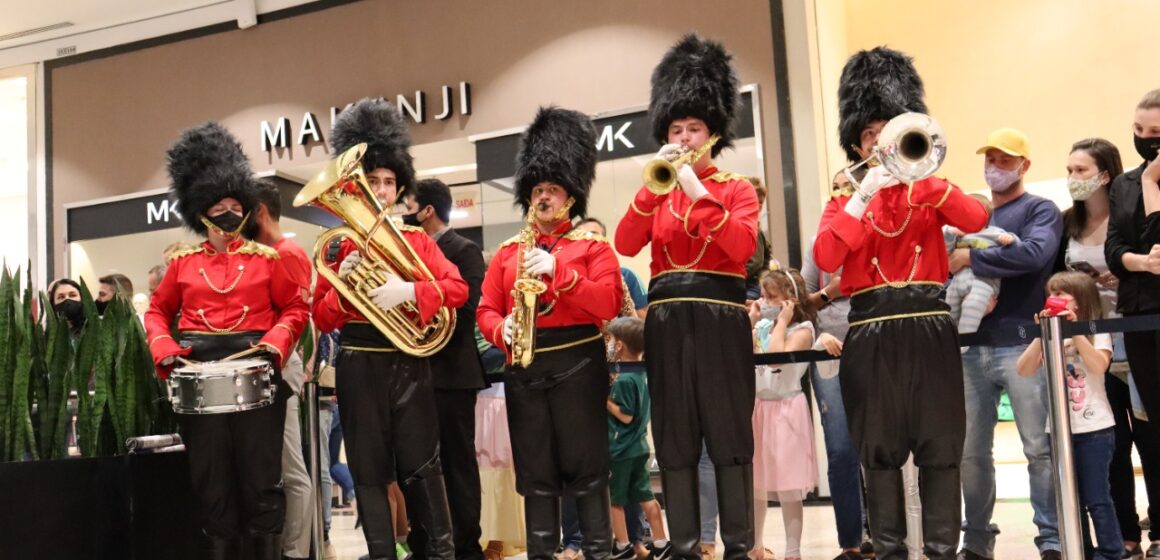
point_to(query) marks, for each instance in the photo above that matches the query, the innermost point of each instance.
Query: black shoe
(965, 554)
(1135, 553)
(849, 555)
(626, 553)
(663, 553)
(1153, 551)
(867, 551)
(1050, 555)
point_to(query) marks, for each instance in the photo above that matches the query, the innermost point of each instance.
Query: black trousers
(558, 418)
(699, 358)
(456, 410)
(1122, 477)
(902, 387)
(1143, 350)
(235, 459)
(388, 415)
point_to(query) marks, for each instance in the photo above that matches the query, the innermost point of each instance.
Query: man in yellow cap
(989, 370)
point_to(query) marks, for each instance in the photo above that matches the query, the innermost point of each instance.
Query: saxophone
(525, 299)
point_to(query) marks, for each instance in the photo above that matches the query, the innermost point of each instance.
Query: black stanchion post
(1066, 495)
(315, 463)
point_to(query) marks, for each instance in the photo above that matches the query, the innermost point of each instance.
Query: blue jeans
(987, 372)
(570, 523)
(707, 480)
(338, 470)
(1092, 453)
(324, 417)
(843, 471)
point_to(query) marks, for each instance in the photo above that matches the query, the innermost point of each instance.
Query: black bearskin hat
(381, 126)
(559, 147)
(877, 84)
(695, 79)
(206, 165)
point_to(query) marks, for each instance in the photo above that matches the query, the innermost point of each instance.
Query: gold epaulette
(723, 176)
(255, 248)
(182, 253)
(584, 235)
(405, 227)
(509, 241)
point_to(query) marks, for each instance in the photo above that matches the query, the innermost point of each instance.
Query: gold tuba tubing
(660, 175)
(341, 188)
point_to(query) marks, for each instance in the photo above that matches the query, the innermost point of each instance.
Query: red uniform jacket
(447, 290)
(245, 288)
(717, 233)
(586, 288)
(297, 264)
(899, 239)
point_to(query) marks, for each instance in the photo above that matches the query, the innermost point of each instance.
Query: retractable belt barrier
(1010, 336)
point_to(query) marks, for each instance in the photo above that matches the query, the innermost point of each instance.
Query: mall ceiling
(26, 21)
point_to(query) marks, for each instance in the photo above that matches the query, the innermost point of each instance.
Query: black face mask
(1147, 147)
(412, 220)
(72, 311)
(228, 222)
(101, 305)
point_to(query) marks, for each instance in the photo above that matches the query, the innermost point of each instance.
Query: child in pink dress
(784, 461)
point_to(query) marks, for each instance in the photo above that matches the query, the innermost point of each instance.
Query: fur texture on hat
(381, 126)
(878, 84)
(206, 165)
(695, 79)
(559, 147)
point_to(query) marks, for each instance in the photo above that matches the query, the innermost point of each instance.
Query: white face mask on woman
(1082, 189)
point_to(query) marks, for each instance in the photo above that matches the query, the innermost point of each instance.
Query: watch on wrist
(825, 298)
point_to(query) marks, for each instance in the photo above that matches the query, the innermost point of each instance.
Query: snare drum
(221, 387)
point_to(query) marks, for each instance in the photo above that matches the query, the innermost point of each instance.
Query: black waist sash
(886, 303)
(693, 286)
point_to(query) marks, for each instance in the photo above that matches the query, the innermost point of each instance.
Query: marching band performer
(902, 377)
(388, 407)
(229, 295)
(697, 334)
(556, 405)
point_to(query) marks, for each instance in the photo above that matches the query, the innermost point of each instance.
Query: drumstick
(243, 353)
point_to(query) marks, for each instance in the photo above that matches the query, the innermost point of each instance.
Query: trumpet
(911, 147)
(660, 175)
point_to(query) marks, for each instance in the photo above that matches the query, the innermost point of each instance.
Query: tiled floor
(1012, 514)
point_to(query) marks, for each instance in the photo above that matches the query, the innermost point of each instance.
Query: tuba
(660, 175)
(342, 189)
(525, 299)
(911, 147)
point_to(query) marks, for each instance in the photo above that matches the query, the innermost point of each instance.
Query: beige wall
(113, 118)
(1059, 70)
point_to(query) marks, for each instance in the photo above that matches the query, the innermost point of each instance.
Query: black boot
(427, 507)
(941, 512)
(375, 511)
(886, 511)
(542, 524)
(683, 512)
(735, 508)
(224, 548)
(594, 510)
(266, 546)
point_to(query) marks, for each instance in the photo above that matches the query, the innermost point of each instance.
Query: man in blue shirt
(1024, 268)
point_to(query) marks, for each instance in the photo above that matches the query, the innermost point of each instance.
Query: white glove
(539, 262)
(509, 326)
(875, 180)
(690, 183)
(348, 264)
(394, 292)
(669, 152)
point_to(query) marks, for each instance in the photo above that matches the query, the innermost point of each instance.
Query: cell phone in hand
(1084, 267)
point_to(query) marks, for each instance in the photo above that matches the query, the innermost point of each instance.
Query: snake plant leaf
(7, 351)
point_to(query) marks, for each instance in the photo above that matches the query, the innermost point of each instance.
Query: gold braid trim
(159, 337)
(575, 279)
(632, 204)
(368, 349)
(899, 316)
(569, 344)
(725, 176)
(694, 299)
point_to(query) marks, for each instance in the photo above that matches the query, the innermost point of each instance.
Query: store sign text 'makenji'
(276, 133)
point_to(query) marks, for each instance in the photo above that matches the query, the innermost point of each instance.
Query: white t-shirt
(1087, 399)
(782, 381)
